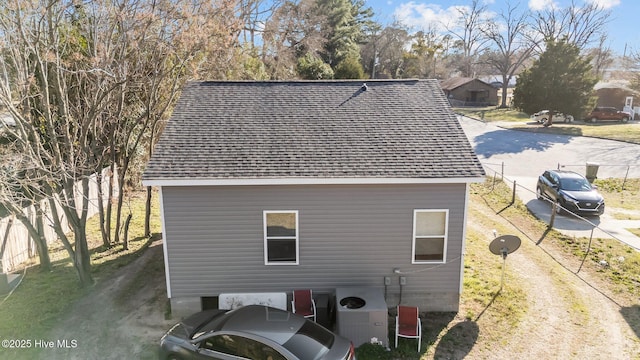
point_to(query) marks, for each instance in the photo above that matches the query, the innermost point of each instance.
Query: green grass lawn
(493, 114)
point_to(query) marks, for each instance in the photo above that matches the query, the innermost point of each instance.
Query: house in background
(464, 91)
(496, 81)
(275, 186)
(615, 94)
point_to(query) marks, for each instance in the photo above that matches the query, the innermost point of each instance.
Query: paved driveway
(526, 155)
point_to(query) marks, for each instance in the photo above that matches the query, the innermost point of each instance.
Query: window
(281, 237)
(241, 347)
(310, 341)
(430, 236)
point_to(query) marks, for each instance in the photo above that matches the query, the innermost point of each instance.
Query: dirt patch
(122, 318)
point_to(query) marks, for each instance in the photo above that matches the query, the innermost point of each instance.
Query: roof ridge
(302, 81)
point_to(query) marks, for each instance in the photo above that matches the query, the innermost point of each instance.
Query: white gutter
(307, 181)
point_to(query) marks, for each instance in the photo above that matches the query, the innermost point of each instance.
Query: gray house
(267, 187)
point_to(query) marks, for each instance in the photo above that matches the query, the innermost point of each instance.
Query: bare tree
(602, 56)
(468, 33)
(383, 51)
(512, 45)
(53, 95)
(577, 24)
(88, 82)
(254, 14)
(423, 58)
(293, 31)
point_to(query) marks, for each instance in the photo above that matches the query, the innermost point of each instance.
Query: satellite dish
(504, 245)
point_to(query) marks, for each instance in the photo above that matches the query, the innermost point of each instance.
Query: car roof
(267, 322)
(566, 174)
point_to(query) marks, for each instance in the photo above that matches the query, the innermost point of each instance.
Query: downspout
(464, 236)
(167, 273)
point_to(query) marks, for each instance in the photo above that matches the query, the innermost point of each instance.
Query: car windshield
(311, 341)
(575, 184)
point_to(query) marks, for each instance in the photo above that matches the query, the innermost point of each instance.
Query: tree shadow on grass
(433, 323)
(458, 341)
(103, 251)
(632, 315)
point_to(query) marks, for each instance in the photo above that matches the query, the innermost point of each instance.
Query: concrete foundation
(438, 302)
(184, 306)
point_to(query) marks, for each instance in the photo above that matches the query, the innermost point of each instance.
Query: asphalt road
(525, 155)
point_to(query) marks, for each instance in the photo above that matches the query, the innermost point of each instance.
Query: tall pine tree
(560, 80)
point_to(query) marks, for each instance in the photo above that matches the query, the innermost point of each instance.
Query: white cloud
(423, 16)
(537, 5)
(420, 16)
(605, 4)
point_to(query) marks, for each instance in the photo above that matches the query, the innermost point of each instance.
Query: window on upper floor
(430, 236)
(281, 237)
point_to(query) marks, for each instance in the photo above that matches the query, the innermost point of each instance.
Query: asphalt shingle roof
(456, 82)
(301, 129)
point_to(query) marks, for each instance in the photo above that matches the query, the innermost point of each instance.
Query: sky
(623, 37)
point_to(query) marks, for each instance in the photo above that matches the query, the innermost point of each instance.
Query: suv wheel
(559, 209)
(625, 119)
(539, 193)
(594, 120)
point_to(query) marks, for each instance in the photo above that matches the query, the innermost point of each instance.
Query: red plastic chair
(303, 304)
(408, 324)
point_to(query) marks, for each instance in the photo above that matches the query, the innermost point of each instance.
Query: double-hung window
(281, 237)
(430, 236)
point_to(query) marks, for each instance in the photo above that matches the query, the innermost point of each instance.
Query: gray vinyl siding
(349, 235)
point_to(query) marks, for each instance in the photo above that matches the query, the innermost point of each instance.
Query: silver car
(543, 116)
(253, 332)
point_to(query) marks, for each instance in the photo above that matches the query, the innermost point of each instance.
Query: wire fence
(624, 173)
(594, 250)
(581, 227)
(618, 171)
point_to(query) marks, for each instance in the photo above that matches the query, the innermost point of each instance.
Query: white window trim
(446, 236)
(297, 237)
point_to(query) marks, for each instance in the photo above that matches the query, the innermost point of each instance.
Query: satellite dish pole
(503, 246)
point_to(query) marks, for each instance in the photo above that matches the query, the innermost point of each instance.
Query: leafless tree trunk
(468, 31)
(602, 57)
(513, 46)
